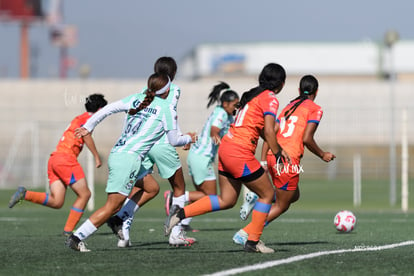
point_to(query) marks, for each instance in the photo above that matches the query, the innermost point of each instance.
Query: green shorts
(166, 158)
(200, 168)
(123, 172)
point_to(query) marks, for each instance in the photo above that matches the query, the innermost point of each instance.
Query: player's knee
(56, 205)
(87, 195)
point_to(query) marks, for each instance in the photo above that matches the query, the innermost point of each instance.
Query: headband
(164, 89)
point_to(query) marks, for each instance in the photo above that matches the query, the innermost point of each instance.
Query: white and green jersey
(172, 101)
(142, 130)
(205, 145)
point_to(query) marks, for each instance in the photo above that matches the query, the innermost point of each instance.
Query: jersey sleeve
(269, 104)
(315, 116)
(115, 107)
(220, 120)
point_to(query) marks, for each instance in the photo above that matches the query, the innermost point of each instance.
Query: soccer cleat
(115, 223)
(168, 196)
(18, 196)
(76, 244)
(181, 239)
(248, 205)
(240, 237)
(66, 234)
(123, 234)
(124, 243)
(172, 219)
(188, 228)
(257, 247)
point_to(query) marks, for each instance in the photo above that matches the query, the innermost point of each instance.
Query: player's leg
(229, 191)
(75, 241)
(59, 173)
(122, 172)
(83, 194)
(264, 189)
(282, 204)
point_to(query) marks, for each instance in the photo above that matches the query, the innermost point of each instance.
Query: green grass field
(304, 239)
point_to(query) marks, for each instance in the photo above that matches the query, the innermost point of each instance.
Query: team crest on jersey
(136, 103)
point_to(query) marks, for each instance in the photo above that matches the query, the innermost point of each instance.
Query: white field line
(307, 256)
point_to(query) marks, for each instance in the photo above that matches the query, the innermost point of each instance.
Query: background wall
(34, 114)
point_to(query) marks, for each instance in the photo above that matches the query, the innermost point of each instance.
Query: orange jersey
(249, 121)
(69, 143)
(290, 134)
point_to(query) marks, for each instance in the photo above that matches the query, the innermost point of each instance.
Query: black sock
(181, 214)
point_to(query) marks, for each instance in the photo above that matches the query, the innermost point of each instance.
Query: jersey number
(240, 116)
(290, 126)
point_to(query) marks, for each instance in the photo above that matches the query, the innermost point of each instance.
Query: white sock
(186, 221)
(187, 197)
(176, 230)
(180, 201)
(85, 230)
(126, 226)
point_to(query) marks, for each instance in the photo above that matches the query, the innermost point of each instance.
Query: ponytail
(214, 95)
(158, 84)
(308, 86)
(146, 102)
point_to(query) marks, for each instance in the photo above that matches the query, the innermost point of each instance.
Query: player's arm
(310, 143)
(215, 134)
(97, 117)
(263, 156)
(90, 143)
(177, 139)
(269, 135)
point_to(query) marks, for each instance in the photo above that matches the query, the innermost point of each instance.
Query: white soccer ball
(345, 221)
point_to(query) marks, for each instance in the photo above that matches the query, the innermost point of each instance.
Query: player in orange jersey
(64, 169)
(237, 163)
(297, 122)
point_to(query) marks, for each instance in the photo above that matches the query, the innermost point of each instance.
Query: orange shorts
(238, 163)
(286, 178)
(64, 167)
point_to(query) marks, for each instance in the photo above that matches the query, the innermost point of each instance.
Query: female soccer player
(148, 118)
(237, 163)
(165, 156)
(202, 154)
(65, 171)
(298, 122)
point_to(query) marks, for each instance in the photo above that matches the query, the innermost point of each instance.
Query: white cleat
(248, 205)
(240, 237)
(124, 243)
(181, 239)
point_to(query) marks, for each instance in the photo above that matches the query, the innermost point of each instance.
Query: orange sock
(37, 197)
(75, 215)
(204, 205)
(259, 216)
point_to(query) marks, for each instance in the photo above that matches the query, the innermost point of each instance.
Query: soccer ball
(344, 221)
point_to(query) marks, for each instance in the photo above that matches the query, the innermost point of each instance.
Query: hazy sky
(122, 39)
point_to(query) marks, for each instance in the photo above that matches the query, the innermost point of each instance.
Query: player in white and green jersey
(202, 153)
(165, 156)
(148, 119)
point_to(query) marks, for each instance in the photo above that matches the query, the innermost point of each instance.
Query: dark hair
(155, 82)
(227, 96)
(166, 65)
(308, 86)
(272, 78)
(94, 101)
